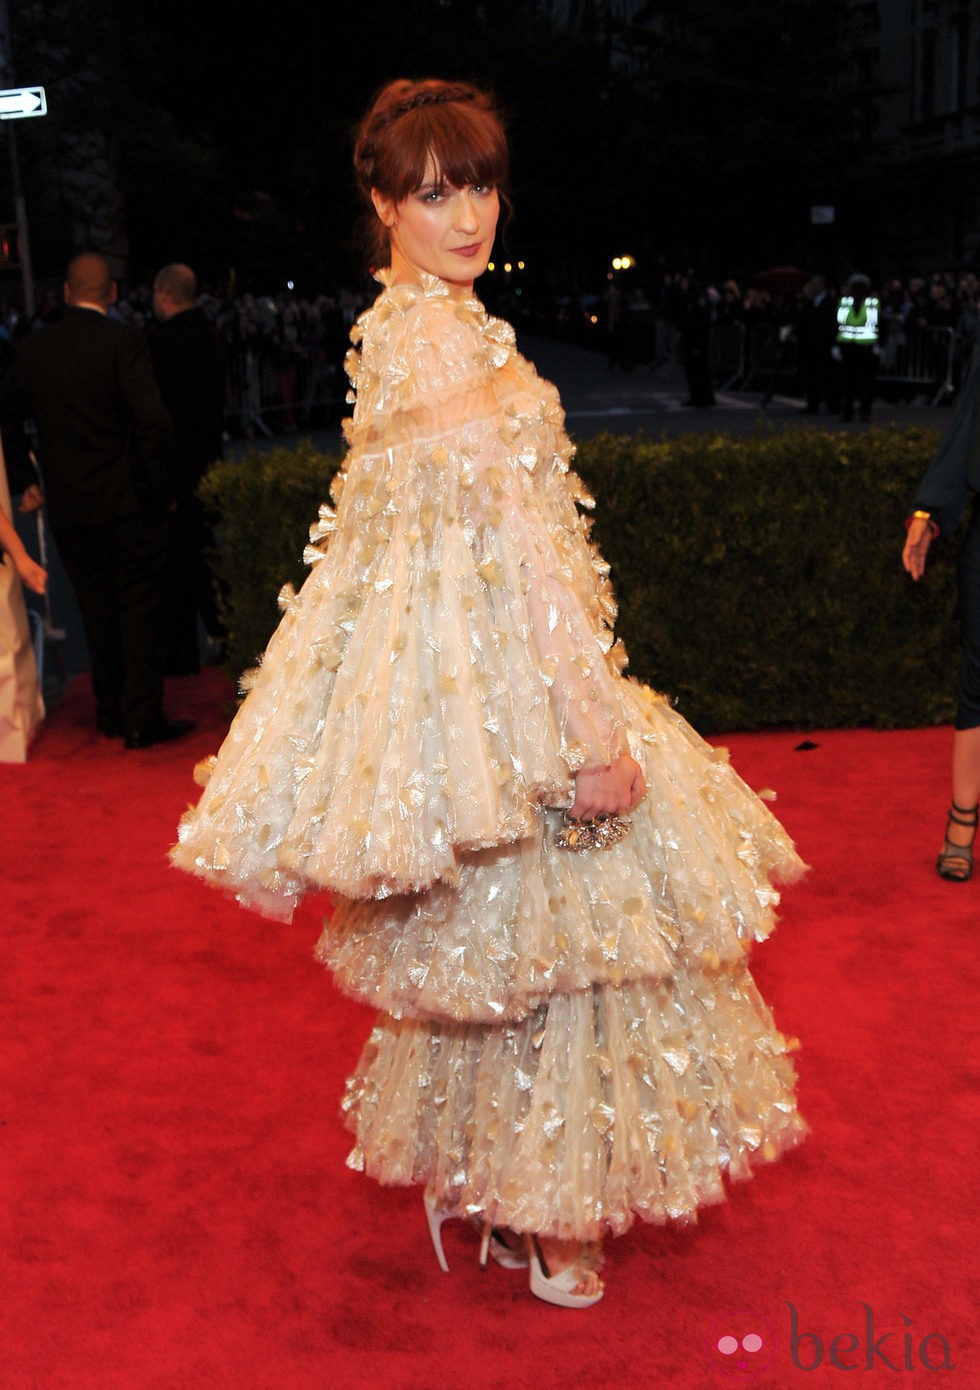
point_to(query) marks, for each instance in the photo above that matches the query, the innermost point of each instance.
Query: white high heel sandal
(558, 1289)
(501, 1253)
(492, 1242)
(435, 1215)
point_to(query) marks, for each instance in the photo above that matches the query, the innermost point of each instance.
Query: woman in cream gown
(568, 1035)
(21, 698)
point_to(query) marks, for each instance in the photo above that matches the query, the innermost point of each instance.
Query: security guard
(857, 346)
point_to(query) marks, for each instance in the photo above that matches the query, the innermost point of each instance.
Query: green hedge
(263, 506)
(759, 577)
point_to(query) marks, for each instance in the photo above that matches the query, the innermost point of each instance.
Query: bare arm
(30, 572)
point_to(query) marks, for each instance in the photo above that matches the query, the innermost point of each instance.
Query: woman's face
(443, 230)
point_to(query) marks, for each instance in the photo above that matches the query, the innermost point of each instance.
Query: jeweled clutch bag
(600, 833)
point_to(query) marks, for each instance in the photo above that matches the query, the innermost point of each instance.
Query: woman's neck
(405, 272)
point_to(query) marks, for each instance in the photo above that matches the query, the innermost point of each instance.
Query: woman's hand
(31, 573)
(917, 542)
(32, 499)
(608, 791)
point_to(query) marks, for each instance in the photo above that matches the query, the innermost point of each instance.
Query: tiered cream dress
(565, 1041)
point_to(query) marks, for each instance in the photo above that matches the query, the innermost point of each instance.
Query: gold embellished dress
(565, 1041)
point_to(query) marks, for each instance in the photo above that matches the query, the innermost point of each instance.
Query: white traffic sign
(18, 102)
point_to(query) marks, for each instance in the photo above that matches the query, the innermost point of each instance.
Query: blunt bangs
(465, 145)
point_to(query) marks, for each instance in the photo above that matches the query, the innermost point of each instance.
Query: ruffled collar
(426, 287)
(499, 333)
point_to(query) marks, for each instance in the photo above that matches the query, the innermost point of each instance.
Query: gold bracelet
(922, 516)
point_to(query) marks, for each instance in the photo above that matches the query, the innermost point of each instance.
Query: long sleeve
(452, 642)
(501, 474)
(953, 476)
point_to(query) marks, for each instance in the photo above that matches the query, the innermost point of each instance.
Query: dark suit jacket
(104, 438)
(190, 366)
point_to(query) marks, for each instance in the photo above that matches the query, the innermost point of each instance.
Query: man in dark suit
(104, 452)
(816, 334)
(190, 367)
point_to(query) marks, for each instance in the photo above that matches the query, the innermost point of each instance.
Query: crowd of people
(637, 316)
(786, 319)
(285, 348)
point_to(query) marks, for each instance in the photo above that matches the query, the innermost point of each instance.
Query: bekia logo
(742, 1345)
(852, 1351)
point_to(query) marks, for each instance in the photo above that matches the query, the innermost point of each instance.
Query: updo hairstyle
(454, 124)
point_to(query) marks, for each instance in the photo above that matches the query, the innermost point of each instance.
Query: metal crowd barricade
(922, 361)
(764, 357)
(728, 362)
(258, 402)
(767, 358)
(244, 392)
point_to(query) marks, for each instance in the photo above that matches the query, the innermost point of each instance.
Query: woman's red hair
(413, 126)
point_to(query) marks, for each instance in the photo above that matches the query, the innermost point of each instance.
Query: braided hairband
(428, 98)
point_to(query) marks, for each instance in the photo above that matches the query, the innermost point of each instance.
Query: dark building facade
(919, 61)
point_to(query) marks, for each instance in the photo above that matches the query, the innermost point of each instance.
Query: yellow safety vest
(857, 325)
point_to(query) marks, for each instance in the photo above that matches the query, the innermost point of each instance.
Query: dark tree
(695, 132)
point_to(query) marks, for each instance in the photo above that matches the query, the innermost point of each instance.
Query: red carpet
(176, 1213)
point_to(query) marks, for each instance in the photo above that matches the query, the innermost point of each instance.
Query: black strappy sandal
(956, 861)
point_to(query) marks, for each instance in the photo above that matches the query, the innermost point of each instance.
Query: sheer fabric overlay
(564, 1041)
